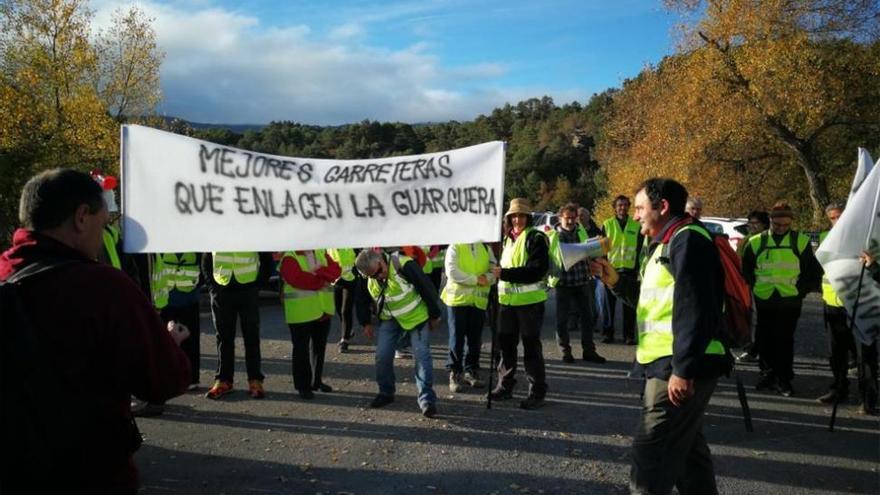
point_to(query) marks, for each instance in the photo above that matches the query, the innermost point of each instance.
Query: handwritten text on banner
(182, 194)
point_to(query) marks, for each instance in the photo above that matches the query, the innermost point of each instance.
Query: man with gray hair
(405, 300)
(694, 207)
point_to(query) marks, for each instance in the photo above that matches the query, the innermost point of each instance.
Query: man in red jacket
(98, 333)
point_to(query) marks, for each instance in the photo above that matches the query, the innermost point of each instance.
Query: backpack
(36, 439)
(739, 318)
(764, 240)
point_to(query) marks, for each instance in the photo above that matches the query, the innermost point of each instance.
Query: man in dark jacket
(679, 315)
(96, 330)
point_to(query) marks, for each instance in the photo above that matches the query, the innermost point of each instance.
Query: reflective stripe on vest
(111, 238)
(828, 295)
(302, 305)
(472, 259)
(183, 272)
(624, 243)
(159, 285)
(345, 258)
(514, 255)
(402, 301)
(242, 266)
(655, 307)
(777, 268)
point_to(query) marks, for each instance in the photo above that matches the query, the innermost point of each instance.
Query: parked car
(544, 220)
(736, 229)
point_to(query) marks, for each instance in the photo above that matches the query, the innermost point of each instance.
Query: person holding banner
(867, 354)
(522, 291)
(468, 280)
(780, 266)
(407, 305)
(234, 280)
(308, 298)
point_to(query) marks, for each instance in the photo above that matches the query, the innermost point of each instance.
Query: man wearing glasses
(780, 266)
(407, 304)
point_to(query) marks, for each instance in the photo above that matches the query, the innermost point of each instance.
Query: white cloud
(224, 66)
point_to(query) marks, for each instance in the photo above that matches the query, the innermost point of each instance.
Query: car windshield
(714, 228)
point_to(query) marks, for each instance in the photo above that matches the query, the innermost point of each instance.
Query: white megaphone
(593, 247)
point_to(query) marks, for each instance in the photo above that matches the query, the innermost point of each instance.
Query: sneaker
(381, 400)
(501, 393)
(832, 396)
(193, 387)
(531, 402)
(472, 378)
(141, 409)
(456, 384)
(306, 394)
(594, 357)
(567, 357)
(746, 358)
(343, 346)
(865, 410)
(402, 355)
(783, 387)
(323, 387)
(429, 410)
(219, 389)
(766, 382)
(255, 389)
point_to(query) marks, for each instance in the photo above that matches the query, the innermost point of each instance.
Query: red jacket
(107, 343)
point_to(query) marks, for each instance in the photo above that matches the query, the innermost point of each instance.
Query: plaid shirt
(579, 274)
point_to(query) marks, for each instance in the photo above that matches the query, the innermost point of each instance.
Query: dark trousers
(867, 359)
(227, 308)
(309, 343)
(669, 448)
(840, 341)
(189, 316)
(629, 312)
(343, 294)
(522, 322)
(775, 338)
(436, 276)
(575, 304)
(465, 334)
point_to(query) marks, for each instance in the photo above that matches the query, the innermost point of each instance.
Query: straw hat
(519, 206)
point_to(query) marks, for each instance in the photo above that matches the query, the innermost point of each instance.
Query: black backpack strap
(793, 238)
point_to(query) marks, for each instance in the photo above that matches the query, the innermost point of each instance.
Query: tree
(767, 100)
(127, 75)
(50, 114)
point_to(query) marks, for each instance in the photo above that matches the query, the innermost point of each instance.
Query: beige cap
(519, 206)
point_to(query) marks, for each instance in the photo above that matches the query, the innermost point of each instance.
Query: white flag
(857, 229)
(866, 163)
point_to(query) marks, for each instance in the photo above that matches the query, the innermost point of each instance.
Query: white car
(736, 229)
(544, 220)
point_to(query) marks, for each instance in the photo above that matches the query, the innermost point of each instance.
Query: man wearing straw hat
(521, 294)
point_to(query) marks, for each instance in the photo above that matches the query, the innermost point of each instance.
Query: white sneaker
(456, 384)
(402, 355)
(473, 379)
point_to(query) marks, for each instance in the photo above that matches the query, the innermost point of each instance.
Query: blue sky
(334, 62)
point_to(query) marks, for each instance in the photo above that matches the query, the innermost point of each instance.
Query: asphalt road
(578, 443)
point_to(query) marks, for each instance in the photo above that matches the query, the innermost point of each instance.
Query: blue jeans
(465, 331)
(387, 337)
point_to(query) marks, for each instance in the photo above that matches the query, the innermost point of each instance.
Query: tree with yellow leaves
(767, 100)
(58, 88)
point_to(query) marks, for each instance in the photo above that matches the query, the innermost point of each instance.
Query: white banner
(186, 195)
(857, 229)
